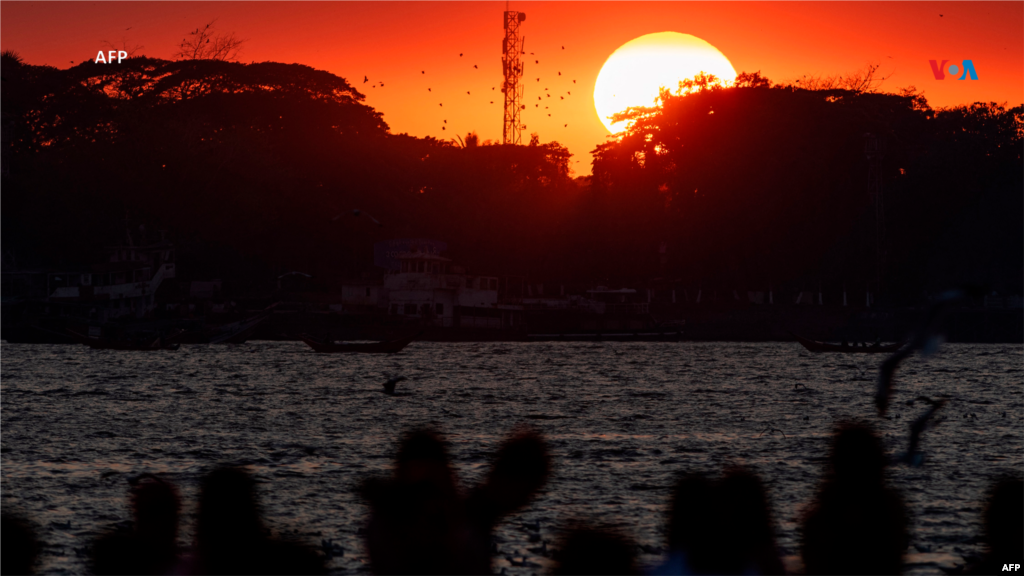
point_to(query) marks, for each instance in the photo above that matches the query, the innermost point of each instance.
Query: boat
(234, 333)
(815, 346)
(147, 345)
(665, 336)
(386, 347)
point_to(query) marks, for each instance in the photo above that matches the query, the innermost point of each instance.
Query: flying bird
(914, 457)
(573, 81)
(536, 61)
(549, 114)
(566, 125)
(538, 79)
(563, 47)
(440, 104)
(423, 71)
(474, 66)
(389, 386)
(559, 73)
(492, 87)
(445, 121)
(569, 93)
(381, 84)
(365, 79)
(561, 97)
(927, 338)
(467, 92)
(492, 101)
(536, 105)
(538, 97)
(442, 127)
(460, 54)
(428, 90)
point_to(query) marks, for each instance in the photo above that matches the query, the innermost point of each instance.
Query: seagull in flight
(913, 457)
(927, 338)
(365, 79)
(475, 66)
(389, 386)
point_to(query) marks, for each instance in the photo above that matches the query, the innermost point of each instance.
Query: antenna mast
(512, 66)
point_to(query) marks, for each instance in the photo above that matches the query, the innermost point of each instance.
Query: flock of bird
(547, 92)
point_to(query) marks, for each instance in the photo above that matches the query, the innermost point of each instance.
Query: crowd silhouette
(421, 522)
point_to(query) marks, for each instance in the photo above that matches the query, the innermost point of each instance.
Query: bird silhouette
(381, 84)
(538, 79)
(460, 54)
(536, 105)
(559, 73)
(440, 104)
(573, 81)
(365, 79)
(429, 90)
(474, 65)
(549, 114)
(563, 47)
(445, 121)
(569, 93)
(467, 92)
(492, 87)
(538, 97)
(913, 456)
(536, 61)
(926, 337)
(442, 127)
(940, 15)
(566, 125)
(561, 97)
(389, 386)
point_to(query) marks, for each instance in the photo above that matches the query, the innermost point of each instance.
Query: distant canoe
(108, 344)
(815, 346)
(388, 347)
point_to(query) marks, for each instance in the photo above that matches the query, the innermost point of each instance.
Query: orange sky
(392, 42)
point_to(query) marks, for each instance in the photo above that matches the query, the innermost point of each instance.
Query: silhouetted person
(592, 551)
(856, 525)
(231, 537)
(19, 547)
(151, 545)
(420, 523)
(1004, 527)
(745, 528)
(722, 527)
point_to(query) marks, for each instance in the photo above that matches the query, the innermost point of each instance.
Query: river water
(622, 419)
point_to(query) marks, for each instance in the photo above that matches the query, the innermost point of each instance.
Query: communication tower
(512, 86)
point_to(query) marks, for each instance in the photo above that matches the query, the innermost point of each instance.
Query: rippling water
(622, 420)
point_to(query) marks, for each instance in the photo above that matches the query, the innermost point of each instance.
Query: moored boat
(387, 347)
(815, 346)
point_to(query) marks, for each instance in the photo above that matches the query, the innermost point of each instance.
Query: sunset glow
(635, 72)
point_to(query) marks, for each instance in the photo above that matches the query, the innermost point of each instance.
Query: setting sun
(635, 72)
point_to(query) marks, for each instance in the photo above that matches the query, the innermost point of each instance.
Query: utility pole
(512, 66)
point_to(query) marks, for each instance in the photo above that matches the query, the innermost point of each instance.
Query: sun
(633, 74)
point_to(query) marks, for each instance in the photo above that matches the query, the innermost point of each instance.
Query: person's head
(20, 546)
(691, 511)
(1004, 524)
(228, 510)
(743, 503)
(857, 456)
(586, 550)
(156, 506)
(422, 457)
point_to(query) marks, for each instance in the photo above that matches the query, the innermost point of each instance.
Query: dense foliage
(246, 166)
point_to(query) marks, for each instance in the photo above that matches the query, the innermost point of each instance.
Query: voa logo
(961, 71)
